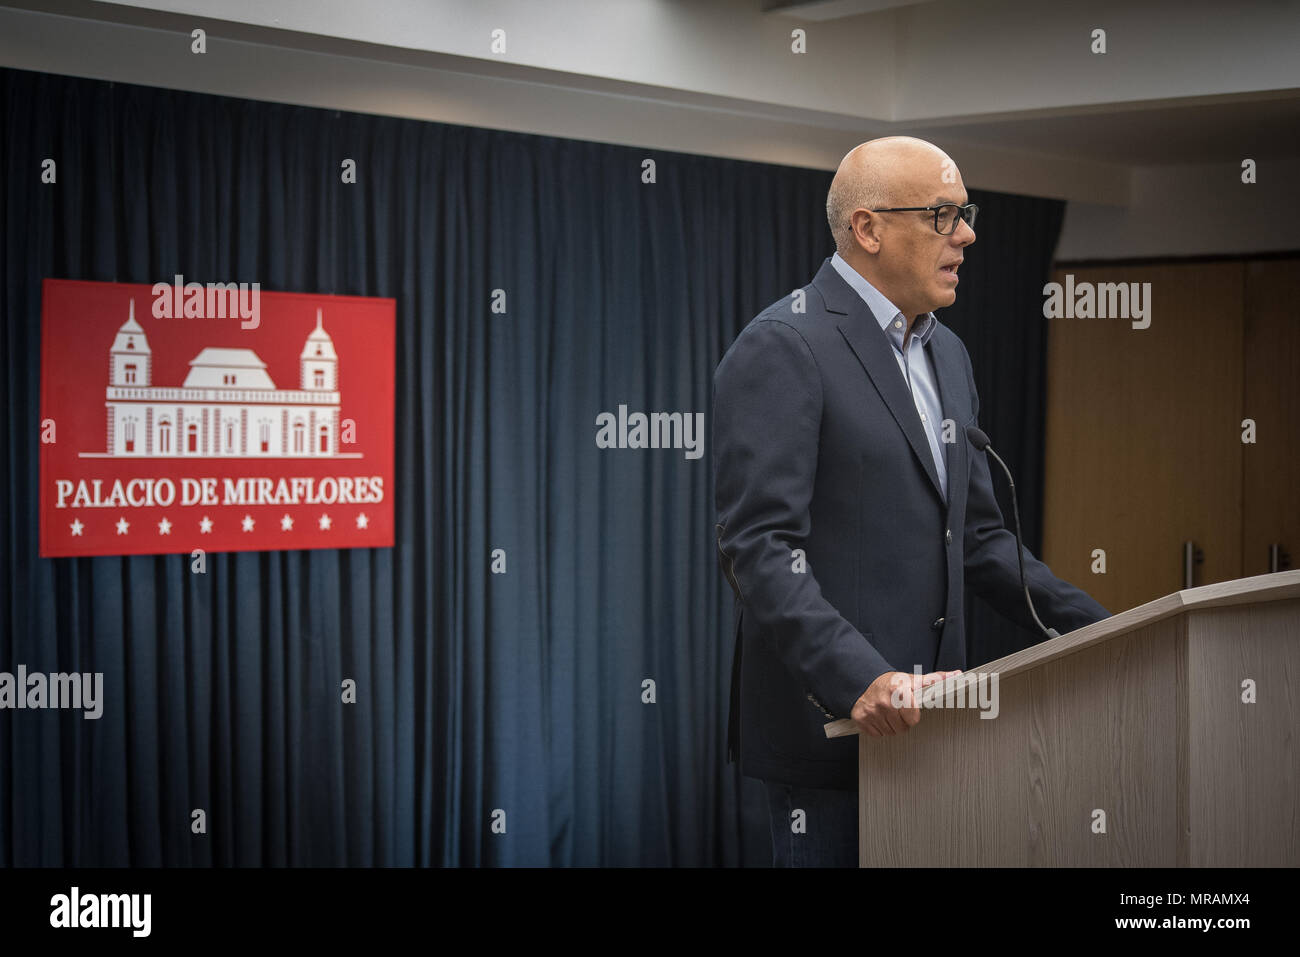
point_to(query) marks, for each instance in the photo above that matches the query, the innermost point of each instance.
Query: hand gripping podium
(1164, 736)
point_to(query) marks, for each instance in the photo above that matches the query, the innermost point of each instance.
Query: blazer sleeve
(990, 556)
(767, 407)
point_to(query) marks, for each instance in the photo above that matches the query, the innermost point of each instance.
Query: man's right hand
(874, 713)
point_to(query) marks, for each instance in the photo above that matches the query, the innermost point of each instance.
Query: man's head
(899, 253)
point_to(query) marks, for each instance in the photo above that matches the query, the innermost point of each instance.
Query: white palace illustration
(227, 407)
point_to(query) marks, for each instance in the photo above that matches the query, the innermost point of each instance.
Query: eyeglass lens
(945, 217)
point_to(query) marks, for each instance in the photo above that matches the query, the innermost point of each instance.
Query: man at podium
(852, 506)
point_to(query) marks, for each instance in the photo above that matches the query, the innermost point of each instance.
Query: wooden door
(1271, 468)
(1143, 443)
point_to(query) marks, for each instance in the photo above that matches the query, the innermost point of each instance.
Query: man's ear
(864, 231)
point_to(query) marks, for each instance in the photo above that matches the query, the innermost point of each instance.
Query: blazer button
(947, 536)
(938, 623)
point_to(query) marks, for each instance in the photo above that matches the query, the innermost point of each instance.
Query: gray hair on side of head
(847, 193)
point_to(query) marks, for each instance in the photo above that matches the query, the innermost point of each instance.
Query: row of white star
(206, 525)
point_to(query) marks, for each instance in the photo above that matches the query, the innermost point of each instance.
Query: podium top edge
(1276, 586)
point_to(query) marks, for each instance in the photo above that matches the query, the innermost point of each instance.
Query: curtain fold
(512, 699)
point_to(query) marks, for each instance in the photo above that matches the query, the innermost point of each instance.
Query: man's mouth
(950, 269)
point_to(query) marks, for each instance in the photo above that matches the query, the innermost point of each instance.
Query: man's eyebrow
(944, 199)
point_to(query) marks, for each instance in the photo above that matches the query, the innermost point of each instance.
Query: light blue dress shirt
(913, 361)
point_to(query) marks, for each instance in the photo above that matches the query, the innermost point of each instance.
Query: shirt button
(898, 324)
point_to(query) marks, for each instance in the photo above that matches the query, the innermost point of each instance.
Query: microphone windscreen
(977, 437)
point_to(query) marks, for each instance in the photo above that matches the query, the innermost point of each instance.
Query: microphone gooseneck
(982, 444)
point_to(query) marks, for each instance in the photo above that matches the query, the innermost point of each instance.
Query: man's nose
(964, 234)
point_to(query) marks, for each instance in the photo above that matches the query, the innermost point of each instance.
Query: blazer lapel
(869, 343)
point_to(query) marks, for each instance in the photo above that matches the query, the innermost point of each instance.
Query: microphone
(981, 443)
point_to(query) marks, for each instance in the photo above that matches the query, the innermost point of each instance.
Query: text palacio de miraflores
(155, 492)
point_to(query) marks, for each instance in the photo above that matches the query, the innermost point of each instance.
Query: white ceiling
(1010, 84)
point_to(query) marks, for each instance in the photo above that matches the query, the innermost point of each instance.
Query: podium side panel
(1244, 798)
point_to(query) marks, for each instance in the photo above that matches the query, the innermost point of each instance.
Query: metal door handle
(1278, 559)
(1192, 556)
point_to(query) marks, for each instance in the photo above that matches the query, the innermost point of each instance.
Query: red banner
(179, 416)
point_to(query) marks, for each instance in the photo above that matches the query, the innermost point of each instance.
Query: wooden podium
(1165, 736)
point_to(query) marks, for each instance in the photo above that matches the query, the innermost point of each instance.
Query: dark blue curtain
(479, 693)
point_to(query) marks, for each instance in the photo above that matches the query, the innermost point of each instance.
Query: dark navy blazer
(834, 536)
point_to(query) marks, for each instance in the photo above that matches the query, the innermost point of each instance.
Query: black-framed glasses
(945, 215)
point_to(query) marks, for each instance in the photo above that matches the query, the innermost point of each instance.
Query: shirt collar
(890, 317)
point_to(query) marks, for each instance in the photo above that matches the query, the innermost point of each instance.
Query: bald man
(852, 509)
